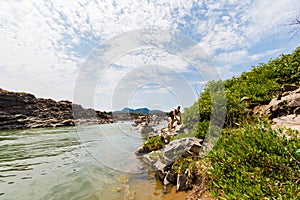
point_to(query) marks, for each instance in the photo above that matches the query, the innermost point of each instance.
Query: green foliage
(253, 162)
(258, 84)
(250, 161)
(210, 105)
(186, 166)
(154, 143)
(200, 130)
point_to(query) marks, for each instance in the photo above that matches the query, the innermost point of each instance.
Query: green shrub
(259, 84)
(154, 143)
(200, 130)
(186, 166)
(250, 161)
(253, 162)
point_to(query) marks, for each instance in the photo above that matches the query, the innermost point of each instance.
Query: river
(82, 162)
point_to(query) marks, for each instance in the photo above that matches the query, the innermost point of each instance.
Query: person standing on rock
(174, 115)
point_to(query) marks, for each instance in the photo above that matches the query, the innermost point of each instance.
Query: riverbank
(260, 157)
(257, 155)
(19, 110)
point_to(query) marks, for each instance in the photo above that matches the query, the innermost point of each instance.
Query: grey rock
(146, 129)
(23, 110)
(161, 158)
(289, 102)
(294, 101)
(176, 148)
(141, 151)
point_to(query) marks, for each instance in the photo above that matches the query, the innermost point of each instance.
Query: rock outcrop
(138, 119)
(162, 160)
(159, 159)
(284, 110)
(288, 121)
(23, 110)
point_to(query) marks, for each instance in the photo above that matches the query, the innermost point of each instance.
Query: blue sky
(46, 47)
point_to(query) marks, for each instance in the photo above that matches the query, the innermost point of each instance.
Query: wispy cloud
(44, 44)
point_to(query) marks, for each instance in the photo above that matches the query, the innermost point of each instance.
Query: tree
(296, 25)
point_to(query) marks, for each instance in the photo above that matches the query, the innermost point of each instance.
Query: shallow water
(83, 162)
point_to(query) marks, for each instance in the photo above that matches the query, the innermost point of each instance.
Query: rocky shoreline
(19, 110)
(282, 111)
(162, 160)
(23, 110)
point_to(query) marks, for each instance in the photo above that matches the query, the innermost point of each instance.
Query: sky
(157, 54)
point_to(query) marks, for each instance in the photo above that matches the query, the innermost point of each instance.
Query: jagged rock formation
(23, 110)
(284, 110)
(161, 160)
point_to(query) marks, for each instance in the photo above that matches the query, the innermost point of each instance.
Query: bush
(253, 162)
(186, 166)
(200, 130)
(154, 143)
(259, 84)
(250, 161)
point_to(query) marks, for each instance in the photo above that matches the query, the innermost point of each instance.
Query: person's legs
(170, 125)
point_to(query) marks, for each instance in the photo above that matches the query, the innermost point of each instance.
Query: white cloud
(43, 44)
(265, 17)
(232, 25)
(265, 54)
(238, 59)
(233, 57)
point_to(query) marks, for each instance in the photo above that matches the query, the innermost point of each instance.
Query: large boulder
(159, 159)
(288, 121)
(283, 106)
(294, 100)
(176, 148)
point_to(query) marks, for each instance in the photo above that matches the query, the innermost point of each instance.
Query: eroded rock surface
(22, 110)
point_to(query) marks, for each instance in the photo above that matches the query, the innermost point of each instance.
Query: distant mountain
(138, 110)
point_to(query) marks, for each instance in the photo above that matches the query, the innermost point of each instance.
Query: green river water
(82, 162)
